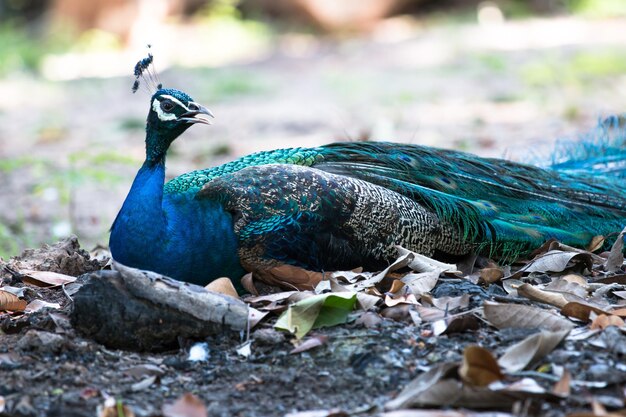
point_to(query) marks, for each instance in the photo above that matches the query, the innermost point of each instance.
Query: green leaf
(321, 310)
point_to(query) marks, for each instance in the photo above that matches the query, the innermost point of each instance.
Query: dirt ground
(48, 369)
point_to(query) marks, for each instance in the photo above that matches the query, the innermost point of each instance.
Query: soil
(48, 369)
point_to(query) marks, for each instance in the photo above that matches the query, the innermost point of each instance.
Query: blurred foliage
(18, 49)
(576, 70)
(9, 242)
(62, 182)
(223, 84)
(96, 40)
(597, 8)
(132, 124)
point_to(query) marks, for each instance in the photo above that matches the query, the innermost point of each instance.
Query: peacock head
(171, 113)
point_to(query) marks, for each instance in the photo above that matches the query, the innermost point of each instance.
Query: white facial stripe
(156, 106)
(175, 100)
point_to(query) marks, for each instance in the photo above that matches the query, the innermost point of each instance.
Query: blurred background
(498, 78)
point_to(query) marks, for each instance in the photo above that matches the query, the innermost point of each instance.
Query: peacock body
(345, 205)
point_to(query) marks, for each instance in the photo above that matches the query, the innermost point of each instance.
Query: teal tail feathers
(600, 151)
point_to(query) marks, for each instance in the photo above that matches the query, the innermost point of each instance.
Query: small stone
(398, 312)
(369, 320)
(268, 337)
(41, 341)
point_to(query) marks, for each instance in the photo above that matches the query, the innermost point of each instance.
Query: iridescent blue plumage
(348, 204)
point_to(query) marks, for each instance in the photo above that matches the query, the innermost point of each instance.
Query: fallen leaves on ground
(316, 311)
(531, 312)
(186, 406)
(479, 368)
(310, 343)
(504, 316)
(11, 302)
(45, 278)
(530, 350)
(223, 286)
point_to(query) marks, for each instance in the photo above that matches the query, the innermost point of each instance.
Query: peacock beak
(196, 114)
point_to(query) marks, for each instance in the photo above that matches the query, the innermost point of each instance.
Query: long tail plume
(601, 151)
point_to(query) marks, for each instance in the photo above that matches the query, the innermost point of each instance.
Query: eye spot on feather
(486, 206)
(446, 183)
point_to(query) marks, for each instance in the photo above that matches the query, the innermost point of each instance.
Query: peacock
(345, 205)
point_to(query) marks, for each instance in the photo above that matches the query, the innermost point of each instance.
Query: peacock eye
(167, 105)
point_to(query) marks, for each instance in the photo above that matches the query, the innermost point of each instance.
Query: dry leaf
(45, 278)
(247, 282)
(596, 243)
(567, 286)
(310, 343)
(421, 263)
(563, 387)
(289, 276)
(503, 316)
(396, 287)
(566, 248)
(527, 352)
(457, 324)
(479, 368)
(223, 286)
(578, 279)
(533, 293)
(426, 389)
(18, 291)
(619, 312)
(557, 261)
(404, 260)
(430, 313)
(620, 294)
(37, 305)
(511, 285)
(403, 299)
(399, 294)
(186, 406)
(580, 311)
(366, 301)
(439, 387)
(603, 321)
(11, 302)
(491, 275)
(270, 298)
(448, 303)
(614, 279)
(421, 283)
(616, 257)
(255, 316)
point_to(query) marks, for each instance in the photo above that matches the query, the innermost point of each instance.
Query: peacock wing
(289, 214)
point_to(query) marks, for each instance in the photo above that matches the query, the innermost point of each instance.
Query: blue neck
(175, 235)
